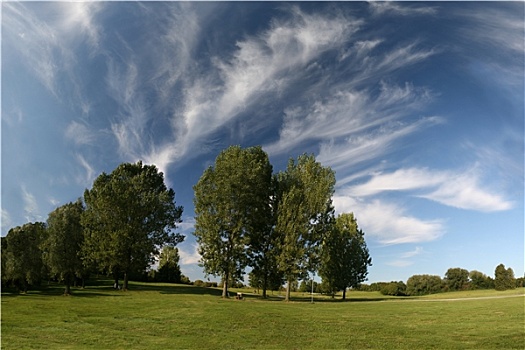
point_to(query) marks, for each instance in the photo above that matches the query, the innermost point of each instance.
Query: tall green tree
(64, 242)
(169, 269)
(24, 265)
(504, 278)
(304, 208)
(456, 278)
(129, 215)
(344, 255)
(232, 209)
(264, 240)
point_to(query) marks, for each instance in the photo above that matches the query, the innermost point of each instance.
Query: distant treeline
(456, 279)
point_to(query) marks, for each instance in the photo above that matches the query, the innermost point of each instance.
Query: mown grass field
(162, 316)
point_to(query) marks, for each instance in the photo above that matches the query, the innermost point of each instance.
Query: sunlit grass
(162, 316)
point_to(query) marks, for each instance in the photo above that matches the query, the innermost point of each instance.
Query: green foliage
(23, 255)
(63, 244)
(344, 255)
(232, 210)
(394, 288)
(456, 279)
(504, 278)
(424, 284)
(520, 282)
(479, 280)
(169, 269)
(129, 214)
(304, 208)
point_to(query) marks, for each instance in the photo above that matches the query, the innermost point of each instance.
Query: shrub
(394, 288)
(198, 283)
(424, 284)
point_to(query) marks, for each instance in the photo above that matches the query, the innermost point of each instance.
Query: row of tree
(281, 225)
(119, 229)
(455, 279)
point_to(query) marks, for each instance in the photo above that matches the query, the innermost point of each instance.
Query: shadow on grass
(104, 288)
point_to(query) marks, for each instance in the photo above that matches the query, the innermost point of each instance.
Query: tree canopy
(129, 215)
(304, 208)
(344, 255)
(231, 206)
(63, 244)
(23, 255)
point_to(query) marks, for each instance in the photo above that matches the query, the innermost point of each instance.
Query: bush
(424, 284)
(198, 283)
(394, 288)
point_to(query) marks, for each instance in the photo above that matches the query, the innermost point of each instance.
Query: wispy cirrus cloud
(43, 42)
(31, 209)
(392, 8)
(80, 133)
(497, 31)
(373, 120)
(260, 65)
(87, 176)
(6, 221)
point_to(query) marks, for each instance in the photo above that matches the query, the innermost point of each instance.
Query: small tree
(344, 256)
(456, 278)
(504, 278)
(394, 288)
(169, 269)
(24, 265)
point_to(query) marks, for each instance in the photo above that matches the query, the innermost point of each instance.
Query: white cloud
(373, 120)
(463, 191)
(44, 43)
(189, 253)
(387, 222)
(394, 8)
(80, 134)
(400, 263)
(453, 188)
(187, 225)
(260, 65)
(31, 210)
(498, 32)
(6, 221)
(89, 173)
(412, 253)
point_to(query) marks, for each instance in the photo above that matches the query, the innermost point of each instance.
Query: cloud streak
(456, 189)
(260, 65)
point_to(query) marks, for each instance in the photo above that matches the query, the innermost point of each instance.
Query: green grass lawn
(162, 316)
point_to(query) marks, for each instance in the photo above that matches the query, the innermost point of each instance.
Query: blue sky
(418, 107)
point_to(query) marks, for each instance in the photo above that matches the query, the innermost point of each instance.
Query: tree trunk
(125, 284)
(344, 293)
(264, 286)
(115, 277)
(288, 288)
(225, 288)
(67, 290)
